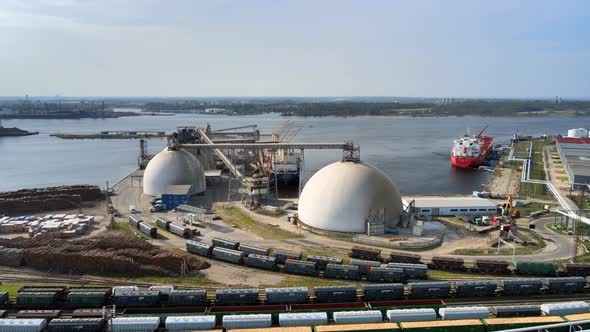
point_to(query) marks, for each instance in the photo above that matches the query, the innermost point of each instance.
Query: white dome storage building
(173, 167)
(340, 196)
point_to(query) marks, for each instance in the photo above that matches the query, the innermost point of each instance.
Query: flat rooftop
(449, 202)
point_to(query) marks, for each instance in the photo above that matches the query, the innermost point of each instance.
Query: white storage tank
(411, 315)
(340, 196)
(256, 321)
(173, 167)
(186, 323)
(578, 133)
(452, 313)
(358, 317)
(303, 319)
(134, 324)
(22, 325)
(565, 308)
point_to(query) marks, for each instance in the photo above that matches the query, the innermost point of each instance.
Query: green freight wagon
(37, 300)
(372, 327)
(536, 268)
(500, 324)
(464, 325)
(87, 299)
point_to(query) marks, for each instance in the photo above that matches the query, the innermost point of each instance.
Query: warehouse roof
(180, 189)
(449, 202)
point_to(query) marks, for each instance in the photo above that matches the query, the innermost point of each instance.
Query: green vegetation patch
(293, 281)
(245, 222)
(11, 289)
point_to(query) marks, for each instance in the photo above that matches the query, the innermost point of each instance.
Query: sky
(413, 48)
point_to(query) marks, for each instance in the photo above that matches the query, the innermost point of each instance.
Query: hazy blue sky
(295, 48)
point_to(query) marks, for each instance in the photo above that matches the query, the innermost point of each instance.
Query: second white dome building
(340, 196)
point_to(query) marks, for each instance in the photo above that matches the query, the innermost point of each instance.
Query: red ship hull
(469, 162)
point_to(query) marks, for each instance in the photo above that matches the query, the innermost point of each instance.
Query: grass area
(581, 201)
(556, 229)
(293, 281)
(243, 221)
(11, 289)
(584, 258)
(193, 281)
(505, 250)
(521, 150)
(125, 227)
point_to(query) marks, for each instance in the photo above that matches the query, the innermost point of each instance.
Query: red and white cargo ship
(471, 151)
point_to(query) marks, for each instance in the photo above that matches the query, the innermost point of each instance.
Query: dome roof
(340, 196)
(173, 167)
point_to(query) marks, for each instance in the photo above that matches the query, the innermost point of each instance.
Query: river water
(414, 152)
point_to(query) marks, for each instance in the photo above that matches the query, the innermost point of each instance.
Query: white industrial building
(452, 206)
(578, 133)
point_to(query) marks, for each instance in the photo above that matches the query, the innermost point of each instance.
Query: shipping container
(186, 323)
(536, 268)
(466, 325)
(236, 296)
(564, 285)
(456, 313)
(520, 287)
(383, 292)
(179, 230)
(87, 299)
(287, 295)
(262, 262)
(133, 324)
(403, 257)
(323, 261)
(448, 263)
(565, 308)
(386, 274)
(500, 324)
(136, 299)
(283, 255)
(247, 321)
(225, 243)
(148, 230)
(228, 255)
(358, 317)
(60, 290)
(199, 248)
(300, 267)
(473, 288)
(516, 311)
(327, 294)
(429, 290)
(188, 298)
(162, 222)
(34, 300)
(411, 271)
(22, 325)
(366, 253)
(349, 272)
(411, 315)
(364, 265)
(373, 327)
(76, 325)
(303, 319)
(252, 249)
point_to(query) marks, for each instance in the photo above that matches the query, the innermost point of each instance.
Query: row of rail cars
(366, 263)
